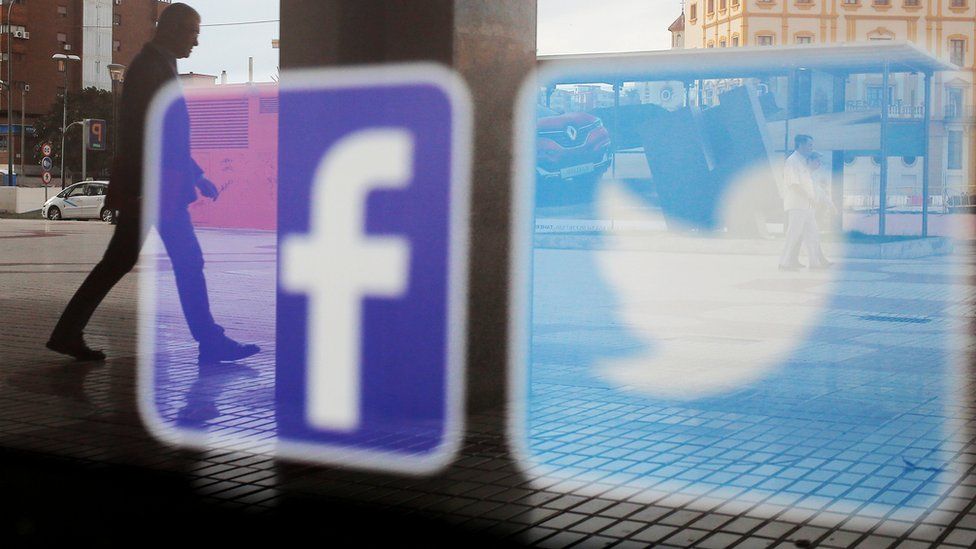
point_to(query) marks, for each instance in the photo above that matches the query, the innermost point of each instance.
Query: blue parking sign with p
(371, 260)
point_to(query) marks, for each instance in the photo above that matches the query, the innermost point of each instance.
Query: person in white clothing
(798, 200)
(820, 201)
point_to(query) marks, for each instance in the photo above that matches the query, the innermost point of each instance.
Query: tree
(88, 103)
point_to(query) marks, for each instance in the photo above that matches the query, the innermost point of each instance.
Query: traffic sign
(46, 149)
(46, 177)
(47, 163)
(367, 300)
(97, 133)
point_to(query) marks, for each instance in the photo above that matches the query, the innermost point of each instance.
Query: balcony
(894, 111)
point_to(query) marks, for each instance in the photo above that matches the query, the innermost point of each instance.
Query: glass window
(711, 6)
(62, 37)
(957, 51)
(62, 11)
(874, 96)
(116, 45)
(117, 19)
(764, 40)
(722, 4)
(693, 13)
(77, 190)
(953, 106)
(735, 41)
(804, 39)
(959, 3)
(954, 152)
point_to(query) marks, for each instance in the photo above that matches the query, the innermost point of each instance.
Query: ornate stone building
(945, 28)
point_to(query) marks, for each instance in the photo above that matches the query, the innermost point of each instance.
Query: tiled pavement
(88, 414)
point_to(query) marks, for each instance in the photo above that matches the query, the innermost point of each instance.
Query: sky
(227, 47)
(564, 26)
(590, 26)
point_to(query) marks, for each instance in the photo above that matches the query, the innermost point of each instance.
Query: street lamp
(117, 72)
(62, 60)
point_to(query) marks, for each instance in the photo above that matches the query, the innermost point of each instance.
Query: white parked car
(85, 200)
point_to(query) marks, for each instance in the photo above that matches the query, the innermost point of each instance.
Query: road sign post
(47, 163)
(368, 298)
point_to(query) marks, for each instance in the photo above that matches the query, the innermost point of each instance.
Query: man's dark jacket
(150, 71)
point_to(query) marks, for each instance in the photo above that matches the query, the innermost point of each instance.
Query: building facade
(945, 28)
(100, 32)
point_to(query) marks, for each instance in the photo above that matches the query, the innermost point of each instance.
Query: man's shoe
(225, 349)
(76, 348)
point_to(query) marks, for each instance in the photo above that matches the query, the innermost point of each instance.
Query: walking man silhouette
(152, 69)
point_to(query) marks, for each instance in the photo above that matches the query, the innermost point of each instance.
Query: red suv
(572, 145)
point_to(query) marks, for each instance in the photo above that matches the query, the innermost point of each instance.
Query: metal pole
(23, 125)
(84, 149)
(10, 101)
(64, 119)
(883, 184)
(926, 125)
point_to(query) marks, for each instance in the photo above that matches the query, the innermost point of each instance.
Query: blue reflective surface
(666, 352)
(406, 325)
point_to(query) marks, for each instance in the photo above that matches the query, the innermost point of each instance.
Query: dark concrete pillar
(492, 45)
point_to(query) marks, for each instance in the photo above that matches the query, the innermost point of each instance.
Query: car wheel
(107, 215)
(54, 214)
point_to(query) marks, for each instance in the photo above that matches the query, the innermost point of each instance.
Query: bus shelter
(747, 104)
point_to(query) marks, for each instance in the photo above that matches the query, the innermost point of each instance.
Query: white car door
(74, 203)
(95, 194)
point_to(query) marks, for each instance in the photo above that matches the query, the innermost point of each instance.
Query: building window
(62, 38)
(804, 2)
(722, 4)
(954, 152)
(722, 42)
(116, 19)
(958, 3)
(711, 7)
(62, 11)
(60, 91)
(693, 12)
(882, 2)
(804, 39)
(710, 44)
(735, 3)
(735, 41)
(875, 96)
(911, 3)
(116, 45)
(764, 39)
(852, 2)
(953, 104)
(957, 52)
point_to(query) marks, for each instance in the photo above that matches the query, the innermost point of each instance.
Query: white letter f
(336, 265)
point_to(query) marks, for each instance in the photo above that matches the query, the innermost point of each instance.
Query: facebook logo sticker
(373, 195)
